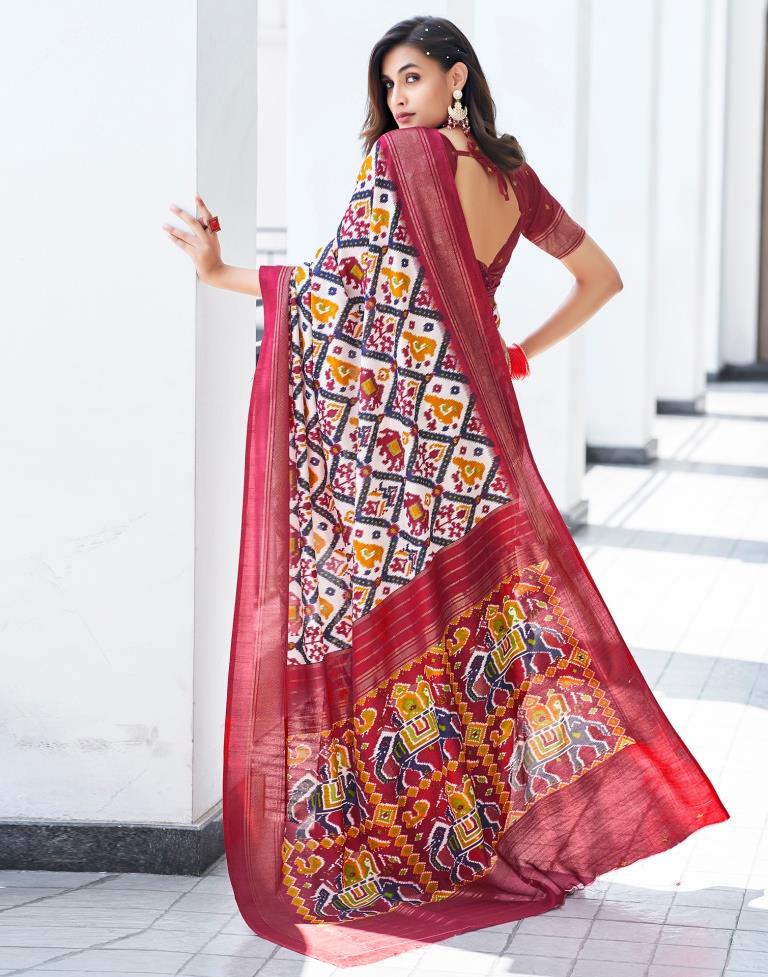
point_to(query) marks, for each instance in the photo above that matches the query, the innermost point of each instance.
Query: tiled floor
(679, 550)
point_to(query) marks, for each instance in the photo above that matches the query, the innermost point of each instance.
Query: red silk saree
(433, 723)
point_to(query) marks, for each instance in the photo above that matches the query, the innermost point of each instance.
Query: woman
(433, 724)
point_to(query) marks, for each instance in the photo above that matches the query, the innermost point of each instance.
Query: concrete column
(121, 496)
(714, 175)
(744, 112)
(621, 148)
(680, 245)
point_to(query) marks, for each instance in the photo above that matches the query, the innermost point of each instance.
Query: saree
(433, 724)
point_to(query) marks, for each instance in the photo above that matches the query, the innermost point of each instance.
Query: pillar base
(747, 371)
(616, 454)
(575, 517)
(694, 406)
(83, 846)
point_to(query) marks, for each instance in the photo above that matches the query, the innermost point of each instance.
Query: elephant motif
(335, 801)
(462, 836)
(421, 724)
(360, 890)
(551, 731)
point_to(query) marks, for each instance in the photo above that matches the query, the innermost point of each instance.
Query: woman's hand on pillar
(200, 244)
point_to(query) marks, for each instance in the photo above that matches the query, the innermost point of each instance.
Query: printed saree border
(254, 732)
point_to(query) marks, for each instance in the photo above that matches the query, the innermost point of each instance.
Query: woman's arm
(235, 279)
(202, 245)
(597, 280)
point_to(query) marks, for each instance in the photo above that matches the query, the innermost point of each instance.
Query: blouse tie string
(490, 167)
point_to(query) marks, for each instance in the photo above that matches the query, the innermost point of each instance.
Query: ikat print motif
(403, 802)
(389, 460)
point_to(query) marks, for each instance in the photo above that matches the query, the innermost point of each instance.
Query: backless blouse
(543, 219)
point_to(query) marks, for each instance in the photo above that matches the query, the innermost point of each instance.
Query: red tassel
(519, 366)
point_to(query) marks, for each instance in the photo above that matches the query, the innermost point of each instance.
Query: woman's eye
(388, 83)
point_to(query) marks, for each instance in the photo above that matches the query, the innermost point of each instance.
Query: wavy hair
(446, 45)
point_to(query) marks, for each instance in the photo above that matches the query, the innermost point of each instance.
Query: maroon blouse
(543, 220)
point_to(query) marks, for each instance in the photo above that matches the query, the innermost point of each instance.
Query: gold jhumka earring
(458, 114)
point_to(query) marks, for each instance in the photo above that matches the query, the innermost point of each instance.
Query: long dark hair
(446, 45)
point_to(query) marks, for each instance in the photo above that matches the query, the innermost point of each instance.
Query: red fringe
(519, 365)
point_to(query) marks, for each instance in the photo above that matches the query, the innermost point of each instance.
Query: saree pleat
(433, 723)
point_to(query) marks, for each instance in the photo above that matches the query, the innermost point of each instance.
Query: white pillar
(742, 181)
(680, 246)
(227, 95)
(714, 171)
(121, 495)
(534, 56)
(620, 151)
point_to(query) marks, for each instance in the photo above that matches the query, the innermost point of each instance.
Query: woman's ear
(460, 73)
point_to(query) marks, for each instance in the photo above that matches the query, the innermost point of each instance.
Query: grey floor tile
(108, 961)
(50, 914)
(16, 895)
(176, 919)
(607, 968)
(35, 972)
(205, 902)
(98, 897)
(706, 958)
(141, 880)
(17, 957)
(438, 957)
(702, 916)
(549, 925)
(618, 950)
(608, 929)
(750, 940)
(520, 963)
(218, 884)
(479, 940)
(209, 965)
(185, 941)
(289, 968)
(695, 936)
(753, 919)
(633, 912)
(240, 945)
(56, 880)
(77, 938)
(755, 961)
(663, 970)
(540, 946)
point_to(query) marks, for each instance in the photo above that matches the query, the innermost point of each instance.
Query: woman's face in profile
(417, 91)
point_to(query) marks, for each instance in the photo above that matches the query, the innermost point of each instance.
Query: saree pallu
(433, 723)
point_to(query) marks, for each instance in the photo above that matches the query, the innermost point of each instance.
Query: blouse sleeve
(546, 223)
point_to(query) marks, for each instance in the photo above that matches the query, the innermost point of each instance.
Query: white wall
(714, 149)
(680, 241)
(104, 409)
(620, 161)
(743, 180)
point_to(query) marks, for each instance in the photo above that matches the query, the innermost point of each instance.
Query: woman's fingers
(178, 233)
(202, 246)
(182, 244)
(189, 219)
(203, 209)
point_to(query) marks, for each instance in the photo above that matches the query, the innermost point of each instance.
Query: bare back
(491, 219)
